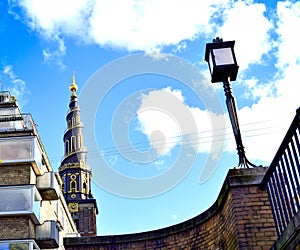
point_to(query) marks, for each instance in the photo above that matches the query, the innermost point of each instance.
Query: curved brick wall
(241, 218)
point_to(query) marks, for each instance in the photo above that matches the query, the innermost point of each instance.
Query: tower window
(84, 188)
(73, 143)
(66, 146)
(79, 141)
(73, 186)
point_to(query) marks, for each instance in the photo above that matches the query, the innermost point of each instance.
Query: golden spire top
(73, 86)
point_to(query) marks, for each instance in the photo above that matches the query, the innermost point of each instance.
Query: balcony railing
(18, 244)
(6, 97)
(282, 179)
(16, 122)
(48, 186)
(20, 200)
(21, 149)
(47, 235)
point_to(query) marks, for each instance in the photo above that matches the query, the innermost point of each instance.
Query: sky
(157, 130)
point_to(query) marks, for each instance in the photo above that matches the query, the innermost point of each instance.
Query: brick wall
(253, 217)
(16, 228)
(15, 174)
(241, 218)
(87, 219)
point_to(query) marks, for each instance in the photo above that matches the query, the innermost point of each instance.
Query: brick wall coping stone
(234, 178)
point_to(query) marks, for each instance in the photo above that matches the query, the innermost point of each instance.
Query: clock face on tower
(73, 207)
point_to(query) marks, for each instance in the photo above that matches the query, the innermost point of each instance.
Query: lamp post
(223, 68)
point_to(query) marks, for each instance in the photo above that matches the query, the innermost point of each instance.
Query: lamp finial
(217, 40)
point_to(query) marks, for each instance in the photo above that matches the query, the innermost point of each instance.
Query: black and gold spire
(75, 172)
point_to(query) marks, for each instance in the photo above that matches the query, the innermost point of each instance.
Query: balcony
(21, 150)
(48, 186)
(10, 122)
(20, 200)
(47, 235)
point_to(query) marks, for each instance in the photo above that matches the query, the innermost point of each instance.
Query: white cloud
(168, 121)
(279, 109)
(287, 26)
(11, 82)
(265, 122)
(150, 25)
(159, 123)
(263, 125)
(182, 46)
(54, 20)
(133, 25)
(246, 23)
(54, 17)
(146, 25)
(53, 56)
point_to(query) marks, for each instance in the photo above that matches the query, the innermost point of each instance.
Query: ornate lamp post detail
(223, 67)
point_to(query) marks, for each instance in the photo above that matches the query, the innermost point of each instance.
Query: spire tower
(75, 173)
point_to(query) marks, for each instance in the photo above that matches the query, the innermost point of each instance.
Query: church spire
(74, 171)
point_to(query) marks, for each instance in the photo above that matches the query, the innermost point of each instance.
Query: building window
(79, 141)
(73, 143)
(66, 146)
(73, 186)
(84, 190)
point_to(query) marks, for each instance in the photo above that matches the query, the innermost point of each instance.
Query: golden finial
(73, 86)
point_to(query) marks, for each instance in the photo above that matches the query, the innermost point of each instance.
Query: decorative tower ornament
(75, 173)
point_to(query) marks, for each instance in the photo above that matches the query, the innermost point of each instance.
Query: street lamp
(223, 67)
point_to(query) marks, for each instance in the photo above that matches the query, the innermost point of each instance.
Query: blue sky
(157, 130)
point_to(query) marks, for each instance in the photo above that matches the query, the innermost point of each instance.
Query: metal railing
(6, 97)
(282, 179)
(21, 122)
(17, 122)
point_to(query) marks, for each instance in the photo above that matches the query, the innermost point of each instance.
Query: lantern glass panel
(210, 62)
(223, 56)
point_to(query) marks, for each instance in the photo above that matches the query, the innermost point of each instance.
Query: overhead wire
(207, 136)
